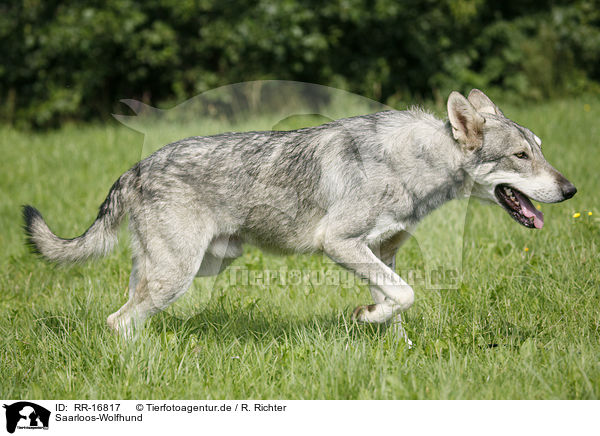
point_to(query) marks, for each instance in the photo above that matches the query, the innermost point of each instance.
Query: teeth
(510, 194)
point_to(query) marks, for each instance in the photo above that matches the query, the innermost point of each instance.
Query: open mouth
(519, 206)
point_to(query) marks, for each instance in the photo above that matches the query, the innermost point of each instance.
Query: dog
(354, 189)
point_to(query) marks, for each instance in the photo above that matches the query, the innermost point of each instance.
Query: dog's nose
(569, 190)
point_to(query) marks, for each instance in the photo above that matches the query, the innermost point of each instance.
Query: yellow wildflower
(526, 248)
(576, 215)
(590, 213)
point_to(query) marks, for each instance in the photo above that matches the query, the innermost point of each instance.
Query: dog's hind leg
(134, 276)
(159, 284)
(164, 269)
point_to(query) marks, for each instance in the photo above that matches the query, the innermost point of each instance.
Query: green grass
(522, 324)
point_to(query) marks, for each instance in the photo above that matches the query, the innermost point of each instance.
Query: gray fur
(353, 189)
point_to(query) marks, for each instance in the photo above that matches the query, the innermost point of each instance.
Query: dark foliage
(76, 59)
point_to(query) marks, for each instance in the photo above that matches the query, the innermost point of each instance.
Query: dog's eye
(522, 155)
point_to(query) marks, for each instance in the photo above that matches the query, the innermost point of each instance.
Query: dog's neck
(431, 165)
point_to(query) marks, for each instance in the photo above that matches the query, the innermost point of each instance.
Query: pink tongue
(529, 210)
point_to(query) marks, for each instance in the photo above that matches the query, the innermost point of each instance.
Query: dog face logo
(26, 415)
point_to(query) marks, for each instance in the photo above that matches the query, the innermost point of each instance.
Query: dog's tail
(97, 241)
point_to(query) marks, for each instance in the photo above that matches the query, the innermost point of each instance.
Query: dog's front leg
(392, 294)
(395, 322)
(383, 311)
(387, 253)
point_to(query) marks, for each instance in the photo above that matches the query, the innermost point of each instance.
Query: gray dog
(353, 189)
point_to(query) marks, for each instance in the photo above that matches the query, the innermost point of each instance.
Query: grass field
(523, 323)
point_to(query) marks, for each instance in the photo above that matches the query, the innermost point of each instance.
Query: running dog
(353, 189)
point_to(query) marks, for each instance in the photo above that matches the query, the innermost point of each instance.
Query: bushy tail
(97, 241)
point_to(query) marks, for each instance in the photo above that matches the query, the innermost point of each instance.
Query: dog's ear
(467, 124)
(482, 103)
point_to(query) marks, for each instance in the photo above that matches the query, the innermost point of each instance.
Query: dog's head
(504, 159)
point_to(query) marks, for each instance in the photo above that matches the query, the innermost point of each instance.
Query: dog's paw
(358, 314)
(119, 326)
(373, 313)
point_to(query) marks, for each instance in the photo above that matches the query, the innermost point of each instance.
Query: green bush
(75, 60)
(537, 56)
